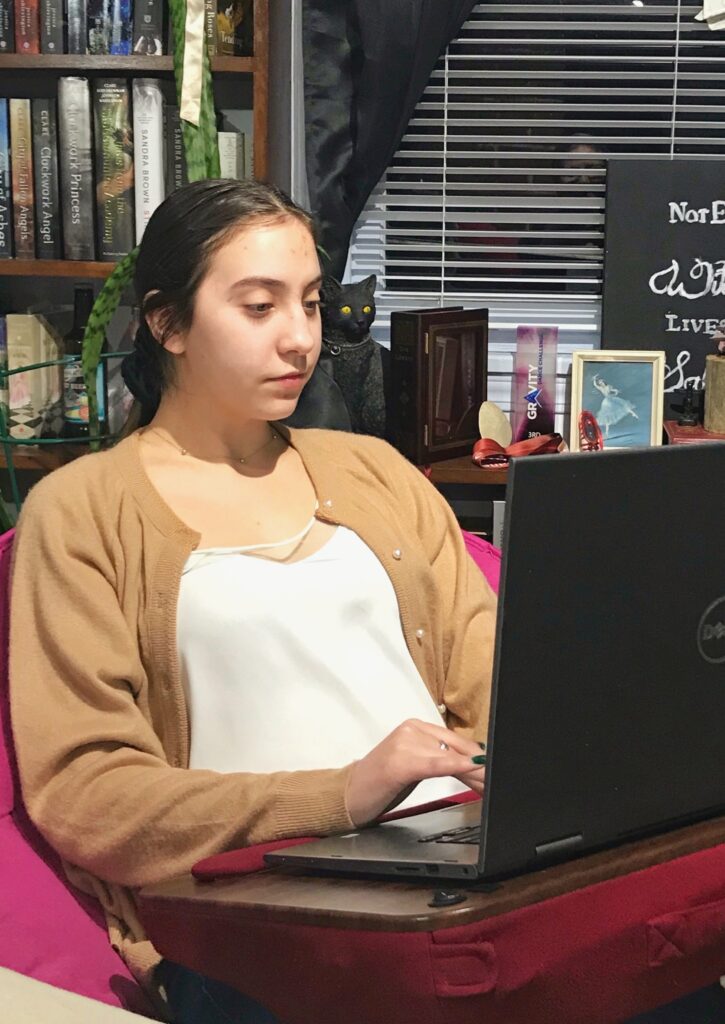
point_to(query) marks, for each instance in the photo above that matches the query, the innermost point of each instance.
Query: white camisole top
(298, 665)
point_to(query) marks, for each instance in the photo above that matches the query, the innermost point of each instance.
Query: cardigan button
(397, 554)
(420, 633)
(441, 709)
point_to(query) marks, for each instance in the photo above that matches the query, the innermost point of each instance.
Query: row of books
(32, 399)
(116, 26)
(80, 179)
(33, 402)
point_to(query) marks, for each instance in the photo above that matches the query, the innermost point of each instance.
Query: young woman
(222, 631)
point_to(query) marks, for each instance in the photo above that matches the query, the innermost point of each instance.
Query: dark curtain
(366, 64)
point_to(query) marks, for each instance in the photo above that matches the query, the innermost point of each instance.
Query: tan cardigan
(98, 710)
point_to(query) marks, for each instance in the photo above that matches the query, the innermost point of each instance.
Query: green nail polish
(479, 759)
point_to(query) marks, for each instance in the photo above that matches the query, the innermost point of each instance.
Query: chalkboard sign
(664, 267)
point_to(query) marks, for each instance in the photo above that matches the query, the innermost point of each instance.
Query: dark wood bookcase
(238, 81)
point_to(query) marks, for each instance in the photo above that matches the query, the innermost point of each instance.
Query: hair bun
(142, 373)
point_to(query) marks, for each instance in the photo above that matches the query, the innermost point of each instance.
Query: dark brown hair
(178, 243)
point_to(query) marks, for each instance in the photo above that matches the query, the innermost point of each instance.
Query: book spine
(231, 154)
(405, 360)
(114, 168)
(76, 170)
(148, 28)
(49, 350)
(6, 188)
(121, 27)
(234, 31)
(4, 405)
(51, 26)
(25, 398)
(77, 30)
(98, 26)
(226, 12)
(48, 243)
(27, 26)
(210, 29)
(148, 134)
(176, 175)
(7, 26)
(21, 160)
(241, 121)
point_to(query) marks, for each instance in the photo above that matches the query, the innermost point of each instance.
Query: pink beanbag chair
(48, 930)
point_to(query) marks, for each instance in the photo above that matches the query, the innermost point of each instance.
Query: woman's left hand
(474, 778)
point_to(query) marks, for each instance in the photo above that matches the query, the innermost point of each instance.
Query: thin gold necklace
(226, 458)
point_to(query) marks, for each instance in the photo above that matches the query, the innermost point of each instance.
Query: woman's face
(255, 335)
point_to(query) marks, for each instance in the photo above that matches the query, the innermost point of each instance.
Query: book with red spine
(27, 26)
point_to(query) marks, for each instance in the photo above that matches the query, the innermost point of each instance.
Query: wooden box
(438, 381)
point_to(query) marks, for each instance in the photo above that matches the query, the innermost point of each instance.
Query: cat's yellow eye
(367, 309)
(346, 310)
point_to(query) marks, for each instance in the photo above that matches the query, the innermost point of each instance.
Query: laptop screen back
(609, 682)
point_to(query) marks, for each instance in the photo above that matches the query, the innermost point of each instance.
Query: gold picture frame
(624, 391)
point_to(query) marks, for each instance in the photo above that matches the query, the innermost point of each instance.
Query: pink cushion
(486, 557)
(6, 778)
(53, 933)
(48, 930)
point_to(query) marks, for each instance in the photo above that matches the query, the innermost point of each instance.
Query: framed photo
(623, 390)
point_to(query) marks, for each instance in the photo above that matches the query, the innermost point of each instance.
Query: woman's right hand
(410, 753)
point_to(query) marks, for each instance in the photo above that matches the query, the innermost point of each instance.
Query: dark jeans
(195, 999)
(704, 1007)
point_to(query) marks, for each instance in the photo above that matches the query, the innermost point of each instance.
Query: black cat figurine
(357, 361)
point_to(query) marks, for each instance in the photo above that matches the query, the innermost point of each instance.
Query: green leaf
(200, 143)
(103, 309)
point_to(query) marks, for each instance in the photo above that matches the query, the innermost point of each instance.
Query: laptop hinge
(558, 847)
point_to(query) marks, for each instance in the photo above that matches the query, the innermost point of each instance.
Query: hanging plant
(202, 161)
(103, 309)
(200, 141)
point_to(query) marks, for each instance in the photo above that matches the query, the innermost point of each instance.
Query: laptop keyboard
(465, 834)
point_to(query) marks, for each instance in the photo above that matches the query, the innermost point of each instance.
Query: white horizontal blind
(496, 194)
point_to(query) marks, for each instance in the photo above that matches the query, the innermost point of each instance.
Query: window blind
(496, 196)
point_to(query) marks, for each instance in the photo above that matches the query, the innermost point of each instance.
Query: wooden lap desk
(211, 926)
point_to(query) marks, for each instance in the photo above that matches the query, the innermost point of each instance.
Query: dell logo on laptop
(711, 633)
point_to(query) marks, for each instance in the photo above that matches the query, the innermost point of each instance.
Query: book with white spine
(231, 155)
(148, 134)
(76, 168)
(21, 163)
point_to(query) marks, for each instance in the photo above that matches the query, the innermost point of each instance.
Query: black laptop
(608, 704)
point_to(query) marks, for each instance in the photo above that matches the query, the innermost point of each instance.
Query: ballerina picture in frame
(623, 390)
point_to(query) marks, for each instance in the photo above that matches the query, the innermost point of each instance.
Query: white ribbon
(713, 12)
(194, 41)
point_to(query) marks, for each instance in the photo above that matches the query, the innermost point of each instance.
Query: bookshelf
(33, 74)
(55, 268)
(74, 63)
(240, 82)
(43, 460)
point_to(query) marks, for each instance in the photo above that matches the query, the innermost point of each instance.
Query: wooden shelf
(42, 459)
(54, 268)
(464, 471)
(75, 62)
(450, 471)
